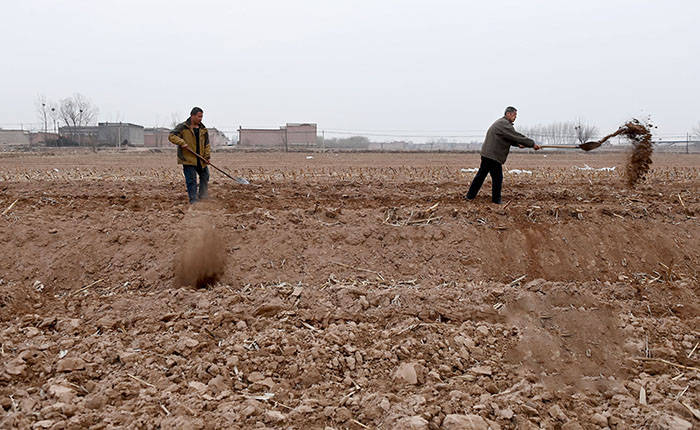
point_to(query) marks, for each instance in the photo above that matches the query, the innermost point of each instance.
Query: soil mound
(202, 259)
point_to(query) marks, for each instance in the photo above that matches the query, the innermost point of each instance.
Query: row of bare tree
(74, 111)
(561, 133)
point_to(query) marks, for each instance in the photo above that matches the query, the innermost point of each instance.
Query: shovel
(594, 143)
(585, 146)
(242, 181)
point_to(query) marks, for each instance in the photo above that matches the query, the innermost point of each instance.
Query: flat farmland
(359, 291)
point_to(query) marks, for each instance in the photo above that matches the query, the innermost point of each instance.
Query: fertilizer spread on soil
(640, 159)
(202, 260)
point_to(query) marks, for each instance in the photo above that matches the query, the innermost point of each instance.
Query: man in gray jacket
(499, 138)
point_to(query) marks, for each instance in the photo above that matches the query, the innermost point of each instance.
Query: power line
(360, 133)
(409, 131)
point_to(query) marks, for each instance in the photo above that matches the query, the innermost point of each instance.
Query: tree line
(74, 111)
(561, 133)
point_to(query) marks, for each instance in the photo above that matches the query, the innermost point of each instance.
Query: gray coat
(500, 137)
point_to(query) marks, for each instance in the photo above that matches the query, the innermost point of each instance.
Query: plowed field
(358, 291)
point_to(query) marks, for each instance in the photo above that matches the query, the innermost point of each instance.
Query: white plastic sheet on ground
(470, 170)
(519, 172)
(602, 169)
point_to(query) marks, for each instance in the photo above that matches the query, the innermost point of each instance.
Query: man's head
(196, 115)
(511, 113)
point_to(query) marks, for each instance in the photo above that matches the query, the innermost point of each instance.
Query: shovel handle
(208, 163)
(197, 155)
(560, 146)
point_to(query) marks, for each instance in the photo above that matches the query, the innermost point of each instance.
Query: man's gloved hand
(537, 147)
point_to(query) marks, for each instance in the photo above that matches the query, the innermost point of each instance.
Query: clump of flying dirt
(202, 258)
(640, 158)
(639, 161)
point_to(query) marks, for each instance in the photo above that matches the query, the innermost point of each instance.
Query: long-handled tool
(592, 144)
(242, 181)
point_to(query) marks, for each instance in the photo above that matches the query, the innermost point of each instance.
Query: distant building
(301, 135)
(105, 134)
(120, 134)
(389, 146)
(41, 137)
(24, 137)
(261, 138)
(14, 137)
(82, 135)
(217, 138)
(290, 136)
(155, 137)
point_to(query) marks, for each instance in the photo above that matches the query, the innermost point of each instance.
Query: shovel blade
(590, 145)
(242, 181)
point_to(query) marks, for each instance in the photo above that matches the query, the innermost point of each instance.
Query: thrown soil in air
(639, 161)
(201, 261)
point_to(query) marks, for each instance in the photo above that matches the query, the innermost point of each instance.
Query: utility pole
(43, 108)
(119, 136)
(80, 124)
(53, 116)
(687, 143)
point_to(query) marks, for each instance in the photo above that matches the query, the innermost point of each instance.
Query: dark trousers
(191, 173)
(494, 168)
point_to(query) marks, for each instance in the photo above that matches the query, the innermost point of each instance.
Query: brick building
(106, 134)
(83, 135)
(288, 137)
(156, 137)
(217, 138)
(14, 137)
(120, 134)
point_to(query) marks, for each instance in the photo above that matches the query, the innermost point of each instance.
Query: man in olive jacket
(192, 137)
(499, 138)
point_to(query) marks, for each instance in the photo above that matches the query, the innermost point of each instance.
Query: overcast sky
(399, 66)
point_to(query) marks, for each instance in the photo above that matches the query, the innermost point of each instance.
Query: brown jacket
(500, 137)
(183, 133)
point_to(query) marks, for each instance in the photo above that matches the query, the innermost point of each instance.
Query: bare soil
(354, 291)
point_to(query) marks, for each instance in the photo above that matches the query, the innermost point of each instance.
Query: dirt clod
(464, 422)
(70, 364)
(406, 373)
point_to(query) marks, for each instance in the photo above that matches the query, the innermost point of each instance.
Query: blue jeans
(191, 173)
